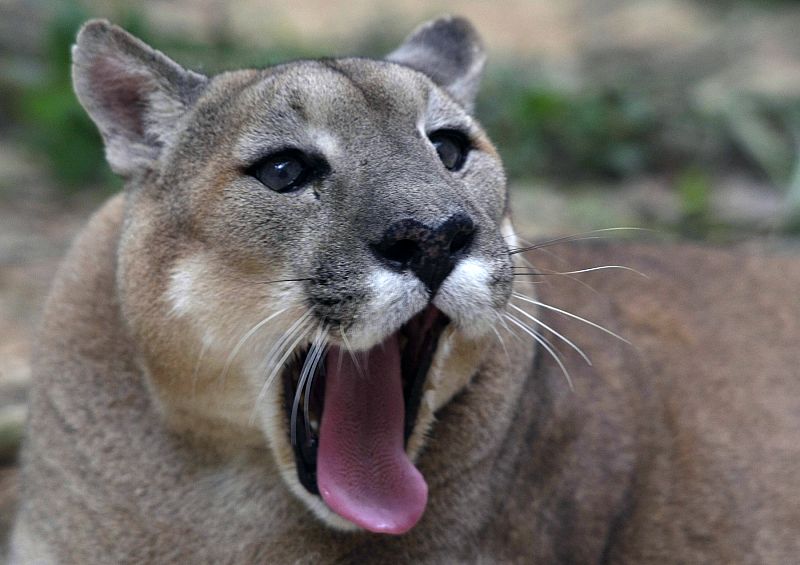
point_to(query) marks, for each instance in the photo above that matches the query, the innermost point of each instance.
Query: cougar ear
(450, 52)
(133, 93)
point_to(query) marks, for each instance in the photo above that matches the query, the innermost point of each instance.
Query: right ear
(133, 93)
(450, 52)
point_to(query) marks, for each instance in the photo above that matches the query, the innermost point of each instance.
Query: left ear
(134, 94)
(450, 52)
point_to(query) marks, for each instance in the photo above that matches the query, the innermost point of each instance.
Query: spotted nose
(430, 253)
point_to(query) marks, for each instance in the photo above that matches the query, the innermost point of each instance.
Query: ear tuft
(133, 93)
(450, 52)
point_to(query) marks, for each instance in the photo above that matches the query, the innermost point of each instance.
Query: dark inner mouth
(419, 339)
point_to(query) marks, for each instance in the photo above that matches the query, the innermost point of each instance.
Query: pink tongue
(363, 472)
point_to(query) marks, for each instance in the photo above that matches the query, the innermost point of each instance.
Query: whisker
(309, 367)
(311, 378)
(542, 249)
(281, 342)
(244, 338)
(301, 332)
(535, 269)
(541, 335)
(603, 268)
(551, 242)
(301, 383)
(527, 263)
(579, 271)
(301, 335)
(340, 356)
(560, 260)
(550, 272)
(507, 327)
(288, 280)
(353, 355)
(196, 371)
(528, 281)
(503, 343)
(543, 342)
(554, 332)
(571, 315)
(574, 237)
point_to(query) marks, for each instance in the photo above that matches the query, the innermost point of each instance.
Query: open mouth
(349, 438)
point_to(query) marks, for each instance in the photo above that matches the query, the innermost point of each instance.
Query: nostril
(400, 252)
(461, 242)
(460, 230)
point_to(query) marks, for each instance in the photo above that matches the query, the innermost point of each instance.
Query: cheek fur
(392, 299)
(467, 297)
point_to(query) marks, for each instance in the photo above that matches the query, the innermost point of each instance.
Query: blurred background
(677, 115)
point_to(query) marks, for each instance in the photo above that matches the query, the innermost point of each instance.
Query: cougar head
(314, 253)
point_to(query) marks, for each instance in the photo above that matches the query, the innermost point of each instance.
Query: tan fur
(149, 442)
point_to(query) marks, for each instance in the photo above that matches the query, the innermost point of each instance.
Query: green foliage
(55, 124)
(792, 217)
(762, 131)
(622, 125)
(545, 131)
(767, 133)
(694, 189)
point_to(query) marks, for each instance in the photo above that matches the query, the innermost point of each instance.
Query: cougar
(307, 332)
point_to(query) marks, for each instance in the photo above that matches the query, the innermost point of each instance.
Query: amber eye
(285, 171)
(452, 147)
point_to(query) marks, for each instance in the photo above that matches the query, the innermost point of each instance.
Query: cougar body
(320, 218)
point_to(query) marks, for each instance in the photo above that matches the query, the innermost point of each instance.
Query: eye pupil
(280, 173)
(451, 146)
(448, 153)
(286, 171)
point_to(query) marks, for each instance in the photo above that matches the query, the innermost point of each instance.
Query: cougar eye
(285, 171)
(452, 147)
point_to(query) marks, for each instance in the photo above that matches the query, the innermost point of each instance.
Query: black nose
(429, 252)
